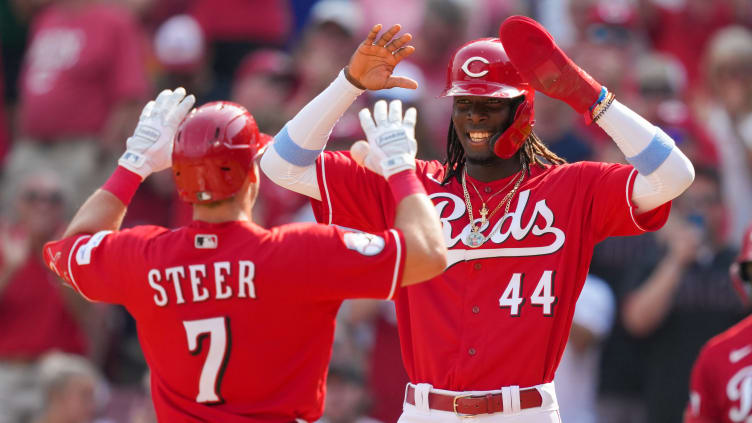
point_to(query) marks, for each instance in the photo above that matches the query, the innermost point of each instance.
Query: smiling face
(477, 120)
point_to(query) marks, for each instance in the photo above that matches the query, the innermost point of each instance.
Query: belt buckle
(454, 407)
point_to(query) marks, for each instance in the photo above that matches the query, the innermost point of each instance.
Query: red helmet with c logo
(482, 68)
(214, 149)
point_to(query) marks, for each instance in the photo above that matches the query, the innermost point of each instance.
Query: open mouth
(479, 137)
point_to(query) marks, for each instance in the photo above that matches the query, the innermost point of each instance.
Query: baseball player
(236, 322)
(721, 384)
(485, 337)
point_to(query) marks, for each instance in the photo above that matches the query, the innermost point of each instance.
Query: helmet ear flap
(518, 131)
(252, 173)
(743, 287)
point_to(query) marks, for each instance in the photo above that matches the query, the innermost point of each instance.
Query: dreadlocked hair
(532, 152)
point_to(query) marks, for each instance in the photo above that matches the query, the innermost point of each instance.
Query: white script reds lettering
(515, 228)
(739, 388)
(222, 271)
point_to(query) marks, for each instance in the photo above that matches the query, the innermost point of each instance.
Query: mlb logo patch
(205, 241)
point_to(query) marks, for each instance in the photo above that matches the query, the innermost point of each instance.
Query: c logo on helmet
(466, 65)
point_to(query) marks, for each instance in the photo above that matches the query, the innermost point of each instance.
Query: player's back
(236, 321)
(220, 320)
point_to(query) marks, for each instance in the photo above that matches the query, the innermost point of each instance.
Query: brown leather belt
(471, 405)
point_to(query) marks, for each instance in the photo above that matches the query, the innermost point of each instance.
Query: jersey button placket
(477, 266)
(471, 351)
(476, 309)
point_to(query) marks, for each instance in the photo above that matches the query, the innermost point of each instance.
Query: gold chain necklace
(484, 216)
(474, 238)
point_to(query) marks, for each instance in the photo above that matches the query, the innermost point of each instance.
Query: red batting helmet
(482, 68)
(741, 269)
(214, 151)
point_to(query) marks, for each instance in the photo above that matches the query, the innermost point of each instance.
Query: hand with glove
(391, 145)
(150, 148)
(542, 64)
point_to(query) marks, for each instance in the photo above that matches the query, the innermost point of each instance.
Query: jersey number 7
(218, 331)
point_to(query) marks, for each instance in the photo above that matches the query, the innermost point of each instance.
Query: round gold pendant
(474, 239)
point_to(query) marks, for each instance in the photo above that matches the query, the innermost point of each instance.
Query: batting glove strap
(397, 163)
(136, 163)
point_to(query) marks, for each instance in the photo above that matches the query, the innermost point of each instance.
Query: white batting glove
(150, 148)
(391, 145)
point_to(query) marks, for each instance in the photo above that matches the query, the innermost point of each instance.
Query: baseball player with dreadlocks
(721, 384)
(484, 338)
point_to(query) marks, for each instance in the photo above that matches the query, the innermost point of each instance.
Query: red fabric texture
(454, 330)
(545, 66)
(263, 21)
(405, 183)
(720, 377)
(273, 346)
(123, 184)
(684, 33)
(34, 314)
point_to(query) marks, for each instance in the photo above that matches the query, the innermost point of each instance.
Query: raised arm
(291, 160)
(425, 255)
(390, 152)
(148, 150)
(664, 171)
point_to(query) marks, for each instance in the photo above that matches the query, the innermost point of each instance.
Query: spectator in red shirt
(36, 312)
(234, 28)
(685, 29)
(82, 80)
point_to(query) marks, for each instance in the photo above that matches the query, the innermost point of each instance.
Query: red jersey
(79, 65)
(236, 322)
(500, 314)
(51, 325)
(253, 21)
(721, 384)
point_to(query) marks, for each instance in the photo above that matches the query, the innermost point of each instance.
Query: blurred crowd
(77, 72)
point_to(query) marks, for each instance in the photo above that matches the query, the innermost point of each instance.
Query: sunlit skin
(371, 68)
(483, 117)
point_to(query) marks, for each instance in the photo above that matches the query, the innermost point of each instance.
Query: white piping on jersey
(396, 264)
(455, 256)
(632, 174)
(326, 188)
(433, 179)
(70, 271)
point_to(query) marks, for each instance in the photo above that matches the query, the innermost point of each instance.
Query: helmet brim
(483, 89)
